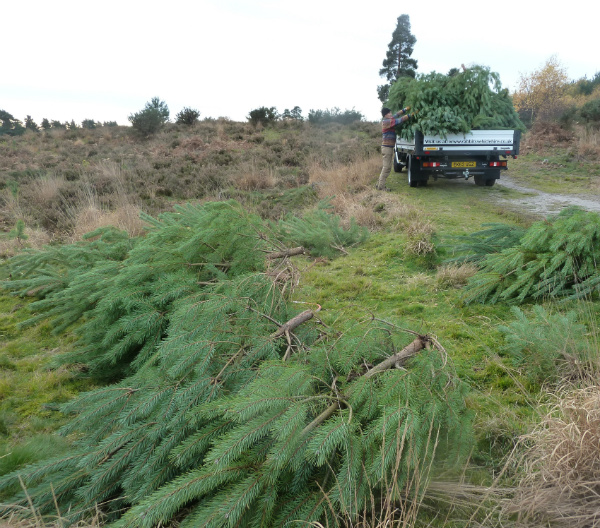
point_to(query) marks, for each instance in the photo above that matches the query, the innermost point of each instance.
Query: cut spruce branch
(201, 420)
(394, 361)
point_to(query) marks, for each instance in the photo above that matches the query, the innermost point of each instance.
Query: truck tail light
(431, 164)
(497, 163)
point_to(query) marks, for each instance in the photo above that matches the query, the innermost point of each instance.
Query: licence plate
(463, 164)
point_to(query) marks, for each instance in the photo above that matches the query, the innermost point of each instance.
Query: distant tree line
(155, 114)
(268, 115)
(11, 126)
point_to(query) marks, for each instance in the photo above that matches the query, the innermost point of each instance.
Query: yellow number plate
(463, 164)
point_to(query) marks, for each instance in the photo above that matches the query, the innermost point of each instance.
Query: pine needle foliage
(214, 420)
(122, 289)
(549, 347)
(556, 258)
(476, 246)
(446, 104)
(320, 232)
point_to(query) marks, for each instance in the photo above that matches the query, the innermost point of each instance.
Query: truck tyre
(413, 172)
(397, 165)
(489, 179)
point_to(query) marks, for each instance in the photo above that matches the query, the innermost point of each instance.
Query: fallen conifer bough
(219, 402)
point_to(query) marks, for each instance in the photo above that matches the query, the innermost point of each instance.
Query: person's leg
(386, 156)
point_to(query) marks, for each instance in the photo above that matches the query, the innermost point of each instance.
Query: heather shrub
(590, 113)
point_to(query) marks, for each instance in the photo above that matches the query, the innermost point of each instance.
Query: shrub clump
(334, 115)
(187, 116)
(590, 113)
(151, 119)
(263, 115)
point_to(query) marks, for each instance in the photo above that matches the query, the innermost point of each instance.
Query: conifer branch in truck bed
(465, 126)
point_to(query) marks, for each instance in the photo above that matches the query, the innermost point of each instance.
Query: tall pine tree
(398, 62)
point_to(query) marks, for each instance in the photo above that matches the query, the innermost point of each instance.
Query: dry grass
(588, 143)
(37, 522)
(88, 212)
(47, 188)
(338, 178)
(11, 210)
(31, 518)
(454, 275)
(562, 465)
(419, 238)
(351, 190)
(546, 134)
(36, 239)
(126, 218)
(252, 178)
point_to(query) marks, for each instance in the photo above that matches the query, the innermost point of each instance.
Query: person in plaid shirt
(388, 141)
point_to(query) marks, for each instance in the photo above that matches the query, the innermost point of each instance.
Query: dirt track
(543, 203)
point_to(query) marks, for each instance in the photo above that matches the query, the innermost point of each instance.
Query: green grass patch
(559, 171)
(30, 391)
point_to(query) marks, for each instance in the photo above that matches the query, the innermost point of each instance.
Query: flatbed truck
(480, 154)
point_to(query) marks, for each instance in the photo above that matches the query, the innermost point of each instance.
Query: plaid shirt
(388, 129)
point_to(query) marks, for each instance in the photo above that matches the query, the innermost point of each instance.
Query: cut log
(287, 253)
(293, 323)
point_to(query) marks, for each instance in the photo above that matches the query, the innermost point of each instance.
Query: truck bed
(475, 142)
(481, 154)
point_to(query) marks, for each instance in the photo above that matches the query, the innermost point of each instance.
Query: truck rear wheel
(485, 181)
(413, 172)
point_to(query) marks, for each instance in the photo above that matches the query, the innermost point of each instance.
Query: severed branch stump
(287, 253)
(397, 359)
(293, 323)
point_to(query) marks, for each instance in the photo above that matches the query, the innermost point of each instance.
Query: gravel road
(543, 203)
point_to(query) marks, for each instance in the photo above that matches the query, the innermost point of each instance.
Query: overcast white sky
(103, 60)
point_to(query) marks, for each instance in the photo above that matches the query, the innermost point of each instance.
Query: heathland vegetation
(214, 323)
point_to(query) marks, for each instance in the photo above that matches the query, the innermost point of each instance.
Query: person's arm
(403, 111)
